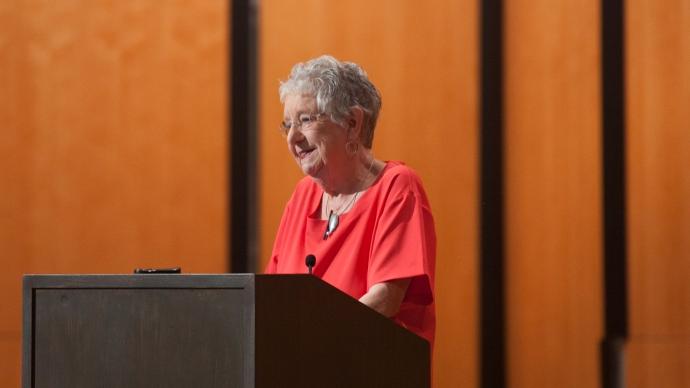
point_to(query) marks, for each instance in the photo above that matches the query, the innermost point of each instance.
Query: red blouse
(388, 234)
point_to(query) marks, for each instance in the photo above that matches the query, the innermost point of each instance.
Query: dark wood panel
(139, 338)
(246, 331)
(331, 339)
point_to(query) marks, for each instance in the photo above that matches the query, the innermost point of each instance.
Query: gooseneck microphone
(310, 261)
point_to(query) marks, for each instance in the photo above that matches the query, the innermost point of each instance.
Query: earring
(352, 147)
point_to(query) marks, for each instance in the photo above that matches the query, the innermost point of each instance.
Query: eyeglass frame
(304, 121)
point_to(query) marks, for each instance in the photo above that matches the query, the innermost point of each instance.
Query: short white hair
(338, 87)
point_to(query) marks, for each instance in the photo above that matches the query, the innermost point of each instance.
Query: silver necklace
(334, 216)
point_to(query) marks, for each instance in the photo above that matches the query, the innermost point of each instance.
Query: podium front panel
(139, 331)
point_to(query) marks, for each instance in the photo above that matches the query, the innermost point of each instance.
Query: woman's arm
(386, 297)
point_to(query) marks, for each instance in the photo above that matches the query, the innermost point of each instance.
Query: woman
(367, 222)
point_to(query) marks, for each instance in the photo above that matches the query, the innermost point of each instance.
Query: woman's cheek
(322, 152)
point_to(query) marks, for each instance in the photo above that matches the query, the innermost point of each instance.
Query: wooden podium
(206, 331)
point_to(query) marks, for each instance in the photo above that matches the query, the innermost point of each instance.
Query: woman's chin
(311, 168)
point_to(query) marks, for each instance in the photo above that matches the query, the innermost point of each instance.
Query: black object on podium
(204, 331)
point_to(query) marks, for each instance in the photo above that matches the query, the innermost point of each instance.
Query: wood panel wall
(658, 158)
(553, 193)
(113, 155)
(113, 132)
(424, 60)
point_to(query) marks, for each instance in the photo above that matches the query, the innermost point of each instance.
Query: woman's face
(316, 142)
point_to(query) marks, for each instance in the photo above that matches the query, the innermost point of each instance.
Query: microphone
(310, 261)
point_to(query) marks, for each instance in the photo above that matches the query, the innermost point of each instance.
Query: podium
(240, 330)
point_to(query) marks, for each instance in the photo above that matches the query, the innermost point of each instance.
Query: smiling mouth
(305, 153)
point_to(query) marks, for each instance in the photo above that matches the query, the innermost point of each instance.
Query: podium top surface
(141, 280)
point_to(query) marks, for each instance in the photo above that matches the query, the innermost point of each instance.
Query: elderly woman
(368, 222)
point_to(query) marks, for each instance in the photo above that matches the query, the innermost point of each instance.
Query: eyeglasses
(304, 121)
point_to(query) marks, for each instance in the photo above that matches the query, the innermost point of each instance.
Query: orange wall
(553, 193)
(113, 155)
(424, 60)
(658, 157)
(113, 151)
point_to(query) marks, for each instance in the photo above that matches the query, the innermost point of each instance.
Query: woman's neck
(362, 175)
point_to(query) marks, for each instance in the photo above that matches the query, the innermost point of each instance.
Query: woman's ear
(356, 120)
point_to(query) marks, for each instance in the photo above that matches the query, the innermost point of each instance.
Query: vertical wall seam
(614, 196)
(492, 240)
(243, 136)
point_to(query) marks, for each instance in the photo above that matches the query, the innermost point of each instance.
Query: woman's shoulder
(305, 183)
(304, 191)
(398, 173)
(400, 179)
(305, 187)
(397, 184)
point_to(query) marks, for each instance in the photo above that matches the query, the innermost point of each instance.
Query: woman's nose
(294, 135)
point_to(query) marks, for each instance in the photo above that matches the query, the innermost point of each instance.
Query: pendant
(332, 224)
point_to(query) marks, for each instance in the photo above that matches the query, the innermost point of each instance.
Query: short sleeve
(404, 244)
(278, 244)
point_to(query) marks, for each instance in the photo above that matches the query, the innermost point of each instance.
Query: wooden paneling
(424, 61)
(658, 363)
(10, 359)
(113, 152)
(553, 193)
(658, 156)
